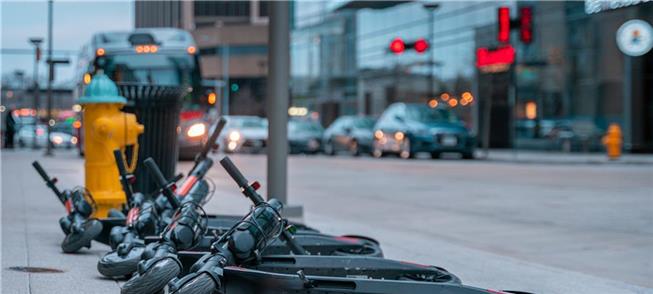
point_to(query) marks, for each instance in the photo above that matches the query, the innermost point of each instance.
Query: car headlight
(73, 140)
(399, 136)
(378, 134)
(57, 140)
(196, 130)
(234, 136)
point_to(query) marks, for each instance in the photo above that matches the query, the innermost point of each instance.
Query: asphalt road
(545, 228)
(486, 221)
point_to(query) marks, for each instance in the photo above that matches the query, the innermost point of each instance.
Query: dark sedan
(407, 129)
(304, 136)
(349, 133)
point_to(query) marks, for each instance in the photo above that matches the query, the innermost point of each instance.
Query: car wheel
(404, 151)
(354, 149)
(329, 149)
(377, 152)
(436, 155)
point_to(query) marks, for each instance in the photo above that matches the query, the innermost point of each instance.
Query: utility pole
(48, 149)
(37, 90)
(225, 77)
(277, 104)
(431, 7)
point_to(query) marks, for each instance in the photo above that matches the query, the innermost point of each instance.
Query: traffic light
(234, 87)
(397, 46)
(211, 99)
(420, 45)
(503, 34)
(526, 25)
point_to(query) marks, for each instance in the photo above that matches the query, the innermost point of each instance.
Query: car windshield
(304, 126)
(425, 114)
(364, 123)
(249, 123)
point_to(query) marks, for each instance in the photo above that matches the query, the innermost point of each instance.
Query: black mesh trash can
(157, 108)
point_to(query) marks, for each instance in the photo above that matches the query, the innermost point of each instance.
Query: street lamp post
(48, 148)
(37, 57)
(431, 7)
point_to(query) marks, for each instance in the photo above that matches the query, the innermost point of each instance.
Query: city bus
(154, 56)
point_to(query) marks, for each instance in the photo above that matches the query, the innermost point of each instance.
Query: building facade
(567, 85)
(231, 37)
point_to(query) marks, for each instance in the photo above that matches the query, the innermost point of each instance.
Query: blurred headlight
(73, 140)
(196, 130)
(399, 136)
(232, 146)
(234, 136)
(57, 140)
(378, 134)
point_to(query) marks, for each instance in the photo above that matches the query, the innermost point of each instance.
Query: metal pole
(225, 76)
(628, 102)
(37, 89)
(431, 67)
(277, 100)
(48, 150)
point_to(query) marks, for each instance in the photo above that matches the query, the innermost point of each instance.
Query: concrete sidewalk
(544, 157)
(31, 235)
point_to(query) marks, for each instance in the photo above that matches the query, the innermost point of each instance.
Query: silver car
(244, 134)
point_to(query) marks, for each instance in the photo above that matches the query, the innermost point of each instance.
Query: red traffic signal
(420, 45)
(397, 46)
(526, 24)
(503, 34)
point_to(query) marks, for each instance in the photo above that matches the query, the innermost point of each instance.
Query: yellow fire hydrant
(613, 141)
(106, 128)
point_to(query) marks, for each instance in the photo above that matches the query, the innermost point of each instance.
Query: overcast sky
(74, 24)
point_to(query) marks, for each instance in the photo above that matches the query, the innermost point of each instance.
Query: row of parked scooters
(165, 242)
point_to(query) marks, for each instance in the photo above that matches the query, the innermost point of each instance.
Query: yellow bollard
(613, 141)
(106, 128)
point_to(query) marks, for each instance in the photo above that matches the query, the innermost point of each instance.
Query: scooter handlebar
(117, 154)
(50, 182)
(233, 171)
(213, 137)
(161, 180)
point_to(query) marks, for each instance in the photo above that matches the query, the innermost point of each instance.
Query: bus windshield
(159, 69)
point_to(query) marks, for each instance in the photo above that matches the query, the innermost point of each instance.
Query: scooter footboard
(240, 280)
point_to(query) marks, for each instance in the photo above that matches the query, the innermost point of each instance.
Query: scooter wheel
(113, 265)
(154, 279)
(201, 284)
(75, 241)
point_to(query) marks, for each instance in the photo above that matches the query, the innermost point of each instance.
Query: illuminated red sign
(503, 35)
(501, 57)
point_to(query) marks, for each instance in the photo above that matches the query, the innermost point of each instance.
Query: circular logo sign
(635, 37)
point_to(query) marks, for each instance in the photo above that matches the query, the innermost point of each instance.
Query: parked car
(25, 137)
(576, 135)
(349, 133)
(406, 129)
(244, 134)
(304, 136)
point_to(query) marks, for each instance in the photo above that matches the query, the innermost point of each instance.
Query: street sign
(635, 37)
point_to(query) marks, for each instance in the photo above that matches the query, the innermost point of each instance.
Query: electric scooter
(79, 227)
(234, 265)
(122, 261)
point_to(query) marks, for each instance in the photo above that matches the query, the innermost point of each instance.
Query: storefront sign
(635, 37)
(497, 60)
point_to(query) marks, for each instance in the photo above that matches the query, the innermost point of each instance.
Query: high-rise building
(231, 37)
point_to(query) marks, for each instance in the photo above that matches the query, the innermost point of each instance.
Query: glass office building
(568, 83)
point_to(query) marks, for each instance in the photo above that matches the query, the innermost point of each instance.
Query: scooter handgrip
(213, 137)
(163, 183)
(41, 171)
(117, 154)
(156, 172)
(233, 171)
